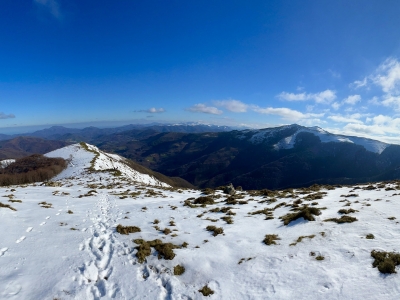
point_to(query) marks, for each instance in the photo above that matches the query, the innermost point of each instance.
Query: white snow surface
(80, 161)
(288, 142)
(6, 162)
(72, 250)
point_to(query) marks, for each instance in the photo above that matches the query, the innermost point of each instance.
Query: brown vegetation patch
(343, 219)
(300, 238)
(227, 219)
(204, 200)
(7, 206)
(385, 261)
(165, 250)
(127, 229)
(305, 212)
(33, 168)
(270, 239)
(179, 270)
(347, 211)
(268, 212)
(44, 204)
(215, 230)
(206, 291)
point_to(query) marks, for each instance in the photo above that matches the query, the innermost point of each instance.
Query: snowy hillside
(259, 136)
(4, 163)
(61, 240)
(85, 158)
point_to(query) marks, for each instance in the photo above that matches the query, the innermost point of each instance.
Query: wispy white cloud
(52, 6)
(285, 113)
(323, 97)
(5, 116)
(351, 100)
(152, 110)
(232, 105)
(345, 119)
(202, 108)
(359, 83)
(386, 76)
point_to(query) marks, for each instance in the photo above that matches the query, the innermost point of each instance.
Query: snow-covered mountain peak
(290, 132)
(88, 159)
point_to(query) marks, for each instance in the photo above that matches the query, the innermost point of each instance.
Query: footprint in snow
(20, 239)
(29, 229)
(57, 214)
(2, 251)
(48, 217)
(41, 224)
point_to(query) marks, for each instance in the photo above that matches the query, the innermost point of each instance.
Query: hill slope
(271, 158)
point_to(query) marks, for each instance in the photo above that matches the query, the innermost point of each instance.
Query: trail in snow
(96, 275)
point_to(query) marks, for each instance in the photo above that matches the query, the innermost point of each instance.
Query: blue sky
(333, 64)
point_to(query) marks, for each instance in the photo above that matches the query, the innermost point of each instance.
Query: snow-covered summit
(288, 142)
(84, 157)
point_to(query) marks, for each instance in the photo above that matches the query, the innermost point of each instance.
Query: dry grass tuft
(179, 270)
(7, 206)
(165, 250)
(215, 230)
(305, 212)
(270, 239)
(343, 219)
(347, 211)
(127, 229)
(385, 261)
(206, 291)
(300, 238)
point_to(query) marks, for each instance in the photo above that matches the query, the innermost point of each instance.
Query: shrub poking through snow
(167, 231)
(370, 236)
(165, 250)
(342, 219)
(227, 219)
(204, 200)
(215, 230)
(127, 229)
(305, 212)
(268, 212)
(179, 270)
(385, 261)
(347, 211)
(70, 212)
(44, 204)
(319, 257)
(300, 238)
(270, 239)
(206, 291)
(7, 206)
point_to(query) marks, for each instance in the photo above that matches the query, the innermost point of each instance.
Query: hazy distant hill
(24, 146)
(91, 133)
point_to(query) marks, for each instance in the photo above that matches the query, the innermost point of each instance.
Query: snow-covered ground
(4, 163)
(71, 250)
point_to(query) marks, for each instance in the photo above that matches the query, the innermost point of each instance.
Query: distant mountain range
(267, 158)
(76, 135)
(210, 156)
